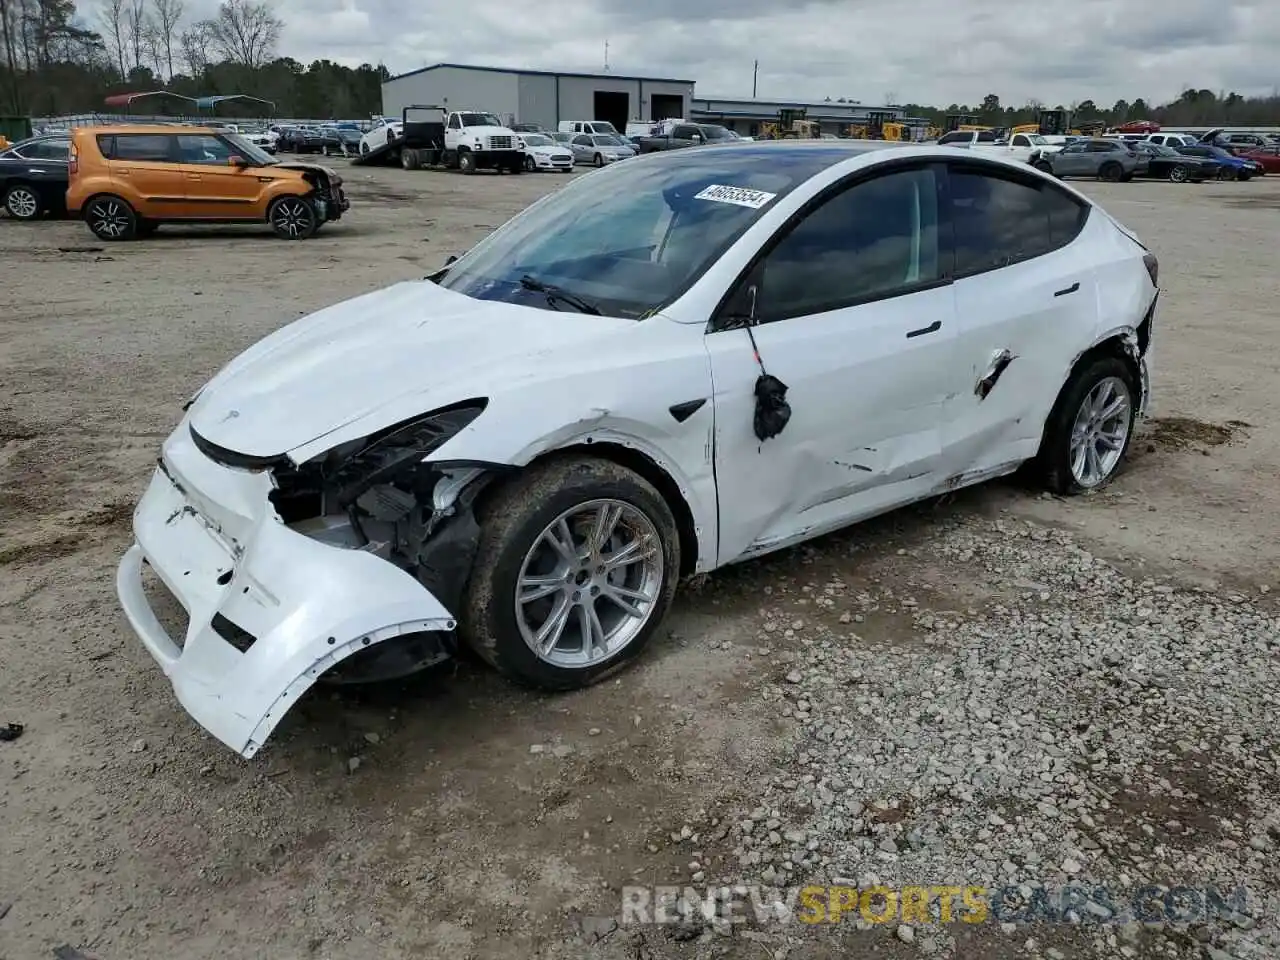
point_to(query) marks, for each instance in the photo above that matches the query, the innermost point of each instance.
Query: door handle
(1071, 289)
(931, 328)
(194, 176)
(34, 172)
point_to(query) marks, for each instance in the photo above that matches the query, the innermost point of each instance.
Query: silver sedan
(600, 149)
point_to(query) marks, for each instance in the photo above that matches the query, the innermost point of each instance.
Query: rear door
(143, 167)
(1026, 303)
(1072, 161)
(214, 188)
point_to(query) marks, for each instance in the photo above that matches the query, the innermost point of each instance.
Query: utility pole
(755, 75)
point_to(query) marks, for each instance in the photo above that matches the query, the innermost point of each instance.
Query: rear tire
(293, 218)
(22, 202)
(1077, 424)
(111, 218)
(409, 159)
(1180, 174)
(1111, 172)
(569, 493)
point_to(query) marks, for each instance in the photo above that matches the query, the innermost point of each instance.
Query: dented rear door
(1026, 306)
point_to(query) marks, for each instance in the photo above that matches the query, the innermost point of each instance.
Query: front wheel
(293, 218)
(111, 218)
(1179, 174)
(466, 162)
(1089, 431)
(22, 202)
(576, 569)
(529, 163)
(364, 149)
(599, 160)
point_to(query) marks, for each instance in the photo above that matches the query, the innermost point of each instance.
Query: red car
(1267, 157)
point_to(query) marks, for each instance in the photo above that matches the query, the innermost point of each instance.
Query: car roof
(124, 128)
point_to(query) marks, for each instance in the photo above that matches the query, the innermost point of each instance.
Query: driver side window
(876, 239)
(455, 123)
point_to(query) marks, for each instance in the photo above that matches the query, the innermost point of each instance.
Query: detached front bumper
(269, 610)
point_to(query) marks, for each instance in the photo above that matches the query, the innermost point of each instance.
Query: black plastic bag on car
(772, 410)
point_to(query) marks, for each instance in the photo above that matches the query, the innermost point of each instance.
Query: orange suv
(125, 181)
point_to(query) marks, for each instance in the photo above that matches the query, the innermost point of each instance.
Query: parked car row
(125, 181)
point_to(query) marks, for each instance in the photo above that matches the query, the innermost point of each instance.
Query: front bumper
(294, 606)
(541, 162)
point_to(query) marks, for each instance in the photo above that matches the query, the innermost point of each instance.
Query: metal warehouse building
(538, 96)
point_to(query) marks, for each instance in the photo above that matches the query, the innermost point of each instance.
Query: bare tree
(111, 16)
(136, 28)
(245, 31)
(195, 48)
(166, 15)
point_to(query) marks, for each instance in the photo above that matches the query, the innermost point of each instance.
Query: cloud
(921, 51)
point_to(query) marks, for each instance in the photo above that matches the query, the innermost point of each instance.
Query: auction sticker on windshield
(741, 196)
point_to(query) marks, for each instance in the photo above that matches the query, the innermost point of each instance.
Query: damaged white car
(665, 367)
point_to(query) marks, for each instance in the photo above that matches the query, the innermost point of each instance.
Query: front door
(1026, 298)
(854, 313)
(144, 167)
(1073, 160)
(215, 188)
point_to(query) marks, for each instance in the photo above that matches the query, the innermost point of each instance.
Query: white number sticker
(741, 196)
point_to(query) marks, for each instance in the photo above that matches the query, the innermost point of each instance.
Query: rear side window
(986, 136)
(956, 137)
(1000, 220)
(135, 146)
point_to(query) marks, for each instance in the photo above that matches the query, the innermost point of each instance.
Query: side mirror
(696, 138)
(237, 161)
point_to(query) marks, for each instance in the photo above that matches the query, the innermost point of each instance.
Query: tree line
(57, 59)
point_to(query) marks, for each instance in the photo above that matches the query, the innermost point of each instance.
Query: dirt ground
(127, 833)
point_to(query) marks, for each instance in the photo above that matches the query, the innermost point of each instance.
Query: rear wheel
(1180, 174)
(1111, 172)
(22, 202)
(409, 159)
(1089, 431)
(111, 218)
(576, 568)
(293, 218)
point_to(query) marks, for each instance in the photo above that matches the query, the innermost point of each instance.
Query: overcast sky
(918, 51)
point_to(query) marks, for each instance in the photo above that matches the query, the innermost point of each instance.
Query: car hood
(329, 172)
(347, 361)
(541, 151)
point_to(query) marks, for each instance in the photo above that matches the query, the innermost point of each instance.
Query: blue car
(1232, 167)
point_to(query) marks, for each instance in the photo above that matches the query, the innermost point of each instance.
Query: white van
(588, 127)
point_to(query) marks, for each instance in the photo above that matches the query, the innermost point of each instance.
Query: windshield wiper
(556, 295)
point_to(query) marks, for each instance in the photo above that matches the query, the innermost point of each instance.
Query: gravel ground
(1001, 688)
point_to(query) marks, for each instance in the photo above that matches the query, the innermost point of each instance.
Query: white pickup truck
(1025, 147)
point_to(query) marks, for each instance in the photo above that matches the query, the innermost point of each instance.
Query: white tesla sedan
(667, 366)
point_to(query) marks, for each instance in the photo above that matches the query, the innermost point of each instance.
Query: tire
(364, 149)
(1180, 174)
(1111, 172)
(466, 162)
(22, 202)
(111, 218)
(511, 548)
(293, 218)
(1103, 375)
(529, 164)
(1044, 166)
(599, 161)
(409, 159)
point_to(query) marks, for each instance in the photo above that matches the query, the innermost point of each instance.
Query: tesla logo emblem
(231, 415)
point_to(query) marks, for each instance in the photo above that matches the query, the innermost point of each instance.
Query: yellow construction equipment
(970, 127)
(790, 125)
(896, 132)
(1025, 128)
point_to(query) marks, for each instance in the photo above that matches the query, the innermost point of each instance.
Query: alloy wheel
(590, 583)
(1100, 432)
(110, 219)
(22, 203)
(292, 217)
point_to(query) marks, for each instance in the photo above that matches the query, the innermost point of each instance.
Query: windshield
(631, 238)
(602, 126)
(1038, 140)
(251, 152)
(479, 120)
(716, 133)
(538, 140)
(605, 140)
